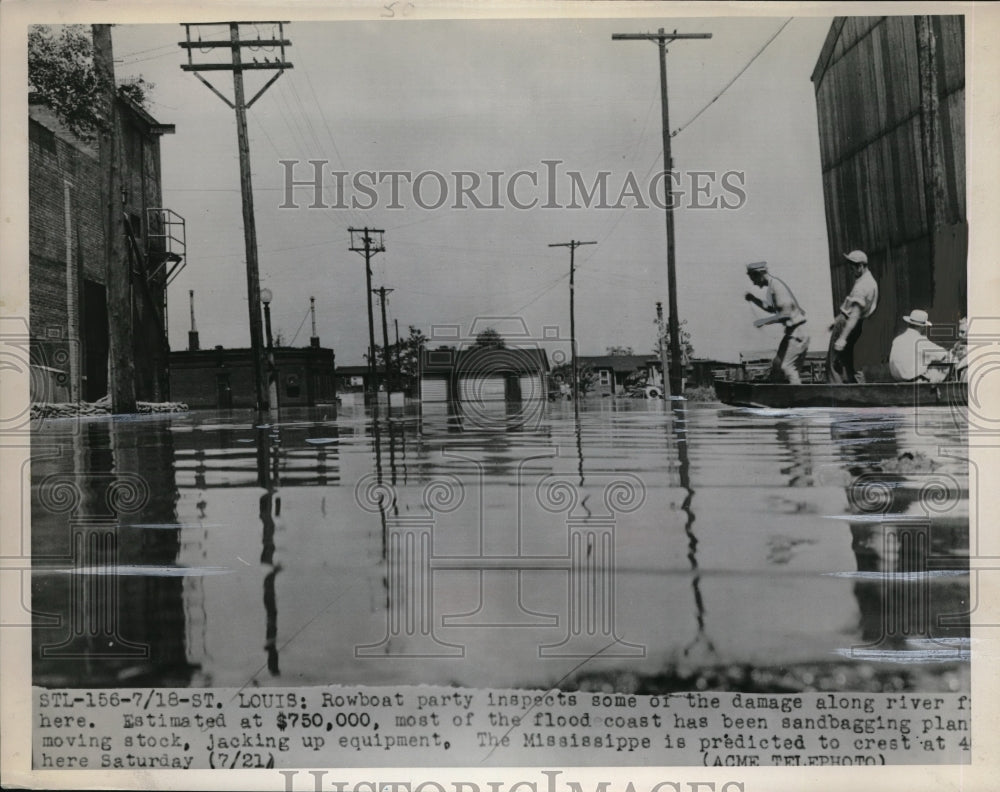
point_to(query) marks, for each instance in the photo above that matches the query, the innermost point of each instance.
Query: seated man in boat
(914, 357)
(960, 351)
(779, 301)
(859, 305)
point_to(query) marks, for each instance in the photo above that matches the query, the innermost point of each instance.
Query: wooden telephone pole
(237, 66)
(368, 244)
(572, 245)
(661, 38)
(382, 291)
(118, 269)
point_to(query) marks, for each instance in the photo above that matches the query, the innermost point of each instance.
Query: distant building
(613, 373)
(67, 268)
(508, 374)
(705, 371)
(890, 98)
(224, 378)
(355, 378)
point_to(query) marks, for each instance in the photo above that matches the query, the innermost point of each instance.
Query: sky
(498, 96)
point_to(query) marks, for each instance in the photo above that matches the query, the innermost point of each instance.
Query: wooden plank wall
(868, 111)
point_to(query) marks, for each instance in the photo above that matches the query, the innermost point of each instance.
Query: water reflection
(105, 538)
(268, 444)
(701, 639)
(486, 548)
(910, 537)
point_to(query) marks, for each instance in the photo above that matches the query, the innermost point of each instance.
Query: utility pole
(118, 269)
(661, 38)
(659, 343)
(237, 66)
(368, 245)
(382, 291)
(399, 363)
(572, 245)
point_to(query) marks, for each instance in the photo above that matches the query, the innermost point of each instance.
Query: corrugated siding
(868, 112)
(531, 387)
(481, 388)
(434, 389)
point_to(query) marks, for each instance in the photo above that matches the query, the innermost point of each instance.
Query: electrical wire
(730, 83)
(301, 324)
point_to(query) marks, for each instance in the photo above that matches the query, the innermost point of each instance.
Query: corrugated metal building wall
(879, 130)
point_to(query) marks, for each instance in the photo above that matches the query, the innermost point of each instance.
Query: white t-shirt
(911, 357)
(864, 294)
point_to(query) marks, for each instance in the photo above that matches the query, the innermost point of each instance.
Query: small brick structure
(223, 378)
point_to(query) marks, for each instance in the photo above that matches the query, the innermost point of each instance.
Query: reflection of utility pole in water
(680, 425)
(377, 438)
(268, 444)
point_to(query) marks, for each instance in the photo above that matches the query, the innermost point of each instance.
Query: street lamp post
(272, 383)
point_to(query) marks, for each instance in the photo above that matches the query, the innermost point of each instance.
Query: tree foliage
(407, 353)
(61, 74)
(687, 348)
(586, 376)
(618, 350)
(489, 339)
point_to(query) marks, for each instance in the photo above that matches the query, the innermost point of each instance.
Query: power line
(661, 38)
(730, 83)
(169, 46)
(237, 65)
(299, 330)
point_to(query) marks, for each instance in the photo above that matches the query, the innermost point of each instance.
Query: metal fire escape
(166, 249)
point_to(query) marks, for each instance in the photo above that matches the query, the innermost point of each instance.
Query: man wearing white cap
(779, 301)
(857, 306)
(915, 358)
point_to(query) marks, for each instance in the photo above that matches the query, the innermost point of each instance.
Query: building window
(605, 377)
(292, 389)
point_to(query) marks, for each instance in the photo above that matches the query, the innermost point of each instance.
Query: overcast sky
(499, 96)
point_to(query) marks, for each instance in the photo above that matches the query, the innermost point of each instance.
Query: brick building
(67, 269)
(224, 378)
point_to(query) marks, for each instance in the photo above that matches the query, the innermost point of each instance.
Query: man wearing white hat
(780, 302)
(914, 357)
(857, 306)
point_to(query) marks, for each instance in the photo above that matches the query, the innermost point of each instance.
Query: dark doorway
(224, 391)
(95, 341)
(512, 387)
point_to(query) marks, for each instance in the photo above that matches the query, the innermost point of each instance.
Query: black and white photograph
(598, 385)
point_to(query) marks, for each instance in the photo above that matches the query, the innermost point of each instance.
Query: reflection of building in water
(794, 437)
(235, 477)
(465, 558)
(106, 539)
(910, 537)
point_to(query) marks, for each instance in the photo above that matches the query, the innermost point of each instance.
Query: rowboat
(868, 394)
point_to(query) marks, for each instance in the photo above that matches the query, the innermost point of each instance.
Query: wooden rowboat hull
(870, 394)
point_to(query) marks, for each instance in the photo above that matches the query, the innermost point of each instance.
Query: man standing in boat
(858, 306)
(781, 303)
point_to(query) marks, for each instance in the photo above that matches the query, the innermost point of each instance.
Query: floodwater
(631, 545)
